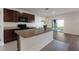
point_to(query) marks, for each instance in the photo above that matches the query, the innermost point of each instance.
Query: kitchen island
(34, 39)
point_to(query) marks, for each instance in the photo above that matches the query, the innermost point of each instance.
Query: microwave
(23, 19)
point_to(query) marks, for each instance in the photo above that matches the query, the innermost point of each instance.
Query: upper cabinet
(29, 17)
(11, 16)
(8, 15)
(14, 16)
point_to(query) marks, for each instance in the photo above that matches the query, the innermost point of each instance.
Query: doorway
(58, 25)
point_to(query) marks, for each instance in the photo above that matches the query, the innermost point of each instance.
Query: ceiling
(50, 11)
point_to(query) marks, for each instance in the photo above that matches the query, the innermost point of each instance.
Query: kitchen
(14, 16)
(15, 20)
(25, 29)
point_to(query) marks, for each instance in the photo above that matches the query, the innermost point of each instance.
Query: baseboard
(71, 34)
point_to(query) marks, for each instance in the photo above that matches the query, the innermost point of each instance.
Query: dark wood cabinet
(29, 16)
(8, 15)
(16, 16)
(11, 15)
(10, 35)
(24, 15)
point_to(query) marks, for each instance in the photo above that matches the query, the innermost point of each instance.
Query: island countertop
(32, 32)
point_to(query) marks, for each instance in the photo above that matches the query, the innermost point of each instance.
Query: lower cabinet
(10, 35)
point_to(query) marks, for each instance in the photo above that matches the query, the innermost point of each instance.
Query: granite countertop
(31, 32)
(9, 28)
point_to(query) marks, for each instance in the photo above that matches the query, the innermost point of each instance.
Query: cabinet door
(8, 15)
(16, 16)
(24, 15)
(8, 36)
(31, 18)
(11, 15)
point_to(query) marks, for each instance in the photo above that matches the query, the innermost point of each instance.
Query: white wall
(37, 22)
(71, 22)
(1, 27)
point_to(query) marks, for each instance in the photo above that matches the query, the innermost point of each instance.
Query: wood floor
(63, 42)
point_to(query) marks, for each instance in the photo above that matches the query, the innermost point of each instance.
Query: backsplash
(14, 24)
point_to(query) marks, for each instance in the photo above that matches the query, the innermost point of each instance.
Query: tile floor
(12, 46)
